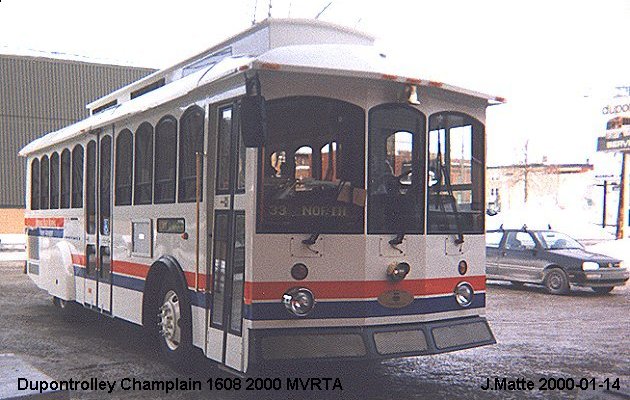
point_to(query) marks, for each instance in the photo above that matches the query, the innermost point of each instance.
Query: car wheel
(603, 289)
(174, 324)
(556, 281)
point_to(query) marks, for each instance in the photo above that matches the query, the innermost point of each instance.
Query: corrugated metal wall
(40, 95)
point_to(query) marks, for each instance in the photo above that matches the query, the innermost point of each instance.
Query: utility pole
(623, 182)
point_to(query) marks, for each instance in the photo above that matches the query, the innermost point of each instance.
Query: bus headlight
(299, 301)
(590, 266)
(464, 294)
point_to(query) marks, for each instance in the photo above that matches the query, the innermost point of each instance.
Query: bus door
(97, 289)
(225, 340)
(91, 235)
(104, 195)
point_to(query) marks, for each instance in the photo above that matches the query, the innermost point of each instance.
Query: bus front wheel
(174, 323)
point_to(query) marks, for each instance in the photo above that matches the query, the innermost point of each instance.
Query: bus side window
(190, 143)
(166, 156)
(35, 184)
(54, 180)
(77, 176)
(143, 165)
(44, 191)
(65, 179)
(124, 163)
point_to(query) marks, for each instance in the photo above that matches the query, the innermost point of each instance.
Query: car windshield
(557, 241)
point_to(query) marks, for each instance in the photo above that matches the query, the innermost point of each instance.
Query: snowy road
(539, 336)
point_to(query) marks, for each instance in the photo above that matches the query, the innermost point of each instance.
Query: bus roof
(339, 56)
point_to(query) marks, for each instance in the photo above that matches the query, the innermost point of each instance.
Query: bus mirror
(253, 121)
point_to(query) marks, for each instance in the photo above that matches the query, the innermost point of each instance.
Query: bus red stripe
(44, 222)
(360, 289)
(129, 268)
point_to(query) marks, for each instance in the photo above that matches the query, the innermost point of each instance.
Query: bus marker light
(462, 267)
(299, 271)
(185, 236)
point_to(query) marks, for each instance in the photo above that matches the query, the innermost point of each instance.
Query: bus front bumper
(369, 342)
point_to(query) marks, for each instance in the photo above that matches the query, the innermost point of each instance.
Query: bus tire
(174, 328)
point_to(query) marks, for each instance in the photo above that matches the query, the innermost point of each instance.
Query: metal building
(40, 95)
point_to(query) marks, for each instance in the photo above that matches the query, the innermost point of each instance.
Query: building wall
(40, 95)
(11, 220)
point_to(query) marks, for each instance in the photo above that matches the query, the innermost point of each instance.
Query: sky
(556, 62)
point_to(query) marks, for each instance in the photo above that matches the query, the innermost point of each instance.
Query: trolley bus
(288, 194)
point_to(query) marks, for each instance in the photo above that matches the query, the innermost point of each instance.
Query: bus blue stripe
(360, 309)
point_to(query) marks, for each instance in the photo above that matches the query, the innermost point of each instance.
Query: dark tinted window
(77, 176)
(224, 148)
(297, 193)
(105, 184)
(54, 180)
(190, 143)
(65, 179)
(90, 187)
(124, 162)
(456, 174)
(143, 165)
(44, 190)
(396, 170)
(35, 184)
(165, 160)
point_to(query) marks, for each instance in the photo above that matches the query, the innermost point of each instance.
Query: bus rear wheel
(173, 326)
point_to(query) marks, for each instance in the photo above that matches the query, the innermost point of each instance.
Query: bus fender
(162, 269)
(61, 278)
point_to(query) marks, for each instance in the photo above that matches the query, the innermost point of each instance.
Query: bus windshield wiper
(398, 239)
(312, 239)
(443, 172)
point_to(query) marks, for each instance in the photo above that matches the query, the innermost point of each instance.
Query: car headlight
(464, 294)
(590, 266)
(299, 301)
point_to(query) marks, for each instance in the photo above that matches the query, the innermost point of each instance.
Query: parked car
(550, 258)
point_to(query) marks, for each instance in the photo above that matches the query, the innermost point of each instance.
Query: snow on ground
(12, 247)
(9, 255)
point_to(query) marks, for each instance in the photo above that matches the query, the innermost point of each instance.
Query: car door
(517, 257)
(493, 248)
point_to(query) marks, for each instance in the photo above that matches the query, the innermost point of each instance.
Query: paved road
(579, 336)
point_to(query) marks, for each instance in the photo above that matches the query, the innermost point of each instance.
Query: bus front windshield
(312, 175)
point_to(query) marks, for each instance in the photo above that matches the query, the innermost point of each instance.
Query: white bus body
(225, 258)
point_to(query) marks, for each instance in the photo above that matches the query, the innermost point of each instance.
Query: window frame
(418, 150)
(196, 144)
(35, 184)
(476, 187)
(44, 183)
(127, 171)
(77, 177)
(171, 147)
(144, 130)
(54, 181)
(65, 172)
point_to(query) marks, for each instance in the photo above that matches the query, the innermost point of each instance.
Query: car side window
(519, 241)
(527, 242)
(493, 239)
